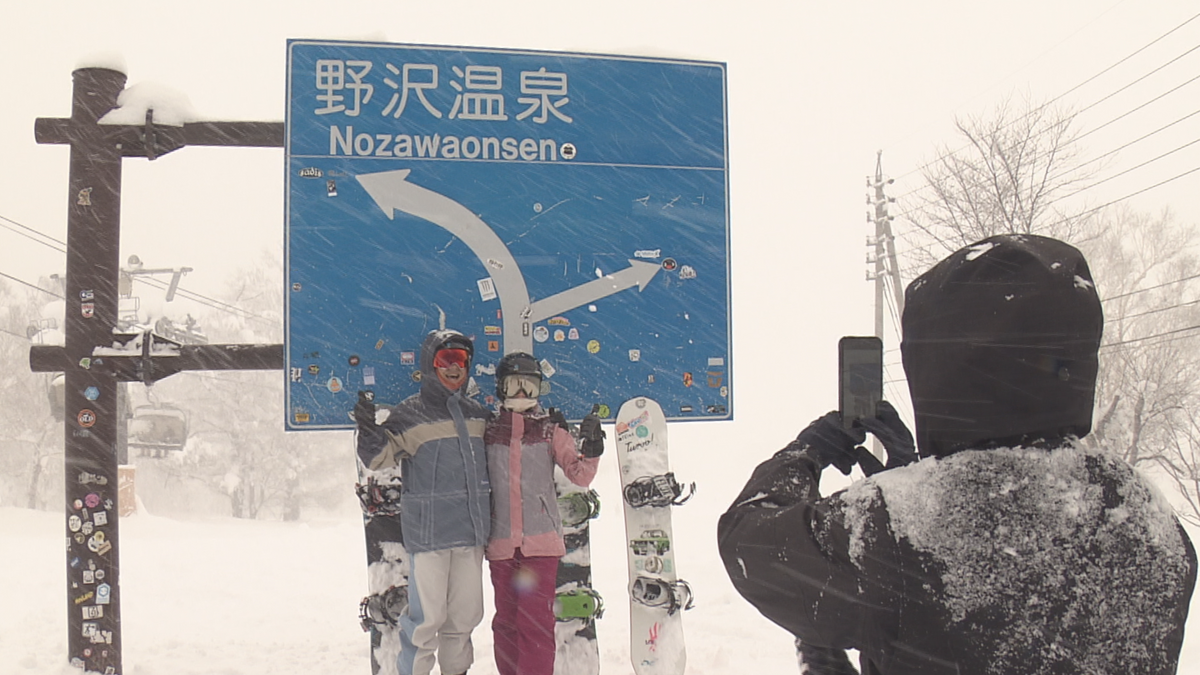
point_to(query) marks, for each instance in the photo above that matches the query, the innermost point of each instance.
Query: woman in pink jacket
(523, 446)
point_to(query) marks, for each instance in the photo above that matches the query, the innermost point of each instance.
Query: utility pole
(96, 358)
(884, 245)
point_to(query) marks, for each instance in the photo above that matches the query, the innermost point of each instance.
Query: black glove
(827, 442)
(364, 411)
(556, 416)
(895, 437)
(591, 434)
(823, 660)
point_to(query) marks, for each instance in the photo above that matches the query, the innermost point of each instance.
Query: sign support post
(95, 359)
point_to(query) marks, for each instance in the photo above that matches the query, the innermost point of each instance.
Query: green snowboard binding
(578, 507)
(578, 603)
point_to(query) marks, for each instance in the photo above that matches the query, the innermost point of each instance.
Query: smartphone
(860, 377)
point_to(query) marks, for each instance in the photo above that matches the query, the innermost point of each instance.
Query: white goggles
(515, 385)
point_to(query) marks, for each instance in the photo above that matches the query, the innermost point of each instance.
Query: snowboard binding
(383, 609)
(379, 498)
(578, 507)
(656, 592)
(578, 603)
(661, 490)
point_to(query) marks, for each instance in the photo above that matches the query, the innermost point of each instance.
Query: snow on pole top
(171, 107)
(110, 60)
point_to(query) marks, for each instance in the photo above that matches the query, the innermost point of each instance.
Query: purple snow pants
(524, 622)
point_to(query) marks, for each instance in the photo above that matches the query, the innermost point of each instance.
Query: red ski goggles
(444, 358)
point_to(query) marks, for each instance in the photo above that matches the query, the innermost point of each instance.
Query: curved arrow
(392, 191)
(638, 274)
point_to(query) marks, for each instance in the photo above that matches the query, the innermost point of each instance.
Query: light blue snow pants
(445, 603)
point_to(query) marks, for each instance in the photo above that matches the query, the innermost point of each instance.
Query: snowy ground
(235, 597)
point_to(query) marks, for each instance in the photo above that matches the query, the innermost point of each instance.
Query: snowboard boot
(383, 609)
(655, 592)
(662, 490)
(578, 603)
(578, 507)
(378, 498)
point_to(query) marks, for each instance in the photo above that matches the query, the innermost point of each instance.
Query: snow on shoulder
(1037, 536)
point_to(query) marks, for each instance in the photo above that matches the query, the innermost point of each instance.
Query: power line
(1144, 76)
(1117, 200)
(1122, 147)
(33, 286)
(1056, 149)
(1157, 310)
(61, 248)
(1151, 337)
(1151, 288)
(1122, 173)
(203, 299)
(1048, 152)
(190, 295)
(1060, 96)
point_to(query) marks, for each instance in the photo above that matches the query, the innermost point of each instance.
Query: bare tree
(1006, 176)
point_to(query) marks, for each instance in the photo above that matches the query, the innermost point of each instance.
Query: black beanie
(1000, 343)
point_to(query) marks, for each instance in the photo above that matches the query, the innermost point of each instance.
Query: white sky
(815, 89)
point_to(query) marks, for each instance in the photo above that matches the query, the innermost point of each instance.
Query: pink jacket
(522, 450)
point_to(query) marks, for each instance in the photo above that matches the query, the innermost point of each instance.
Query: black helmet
(516, 363)
(1000, 344)
(456, 340)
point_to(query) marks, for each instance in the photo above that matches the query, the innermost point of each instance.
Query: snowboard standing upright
(649, 489)
(576, 605)
(387, 565)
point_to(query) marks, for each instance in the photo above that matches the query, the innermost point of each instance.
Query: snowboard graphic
(576, 605)
(648, 488)
(387, 565)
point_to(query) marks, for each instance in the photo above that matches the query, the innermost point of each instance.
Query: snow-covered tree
(31, 439)
(236, 443)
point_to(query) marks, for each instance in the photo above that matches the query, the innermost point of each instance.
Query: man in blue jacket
(436, 436)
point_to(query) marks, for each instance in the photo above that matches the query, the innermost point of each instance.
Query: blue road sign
(573, 206)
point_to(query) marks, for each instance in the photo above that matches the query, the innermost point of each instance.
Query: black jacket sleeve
(788, 552)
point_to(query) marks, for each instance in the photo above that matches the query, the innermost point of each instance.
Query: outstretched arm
(787, 550)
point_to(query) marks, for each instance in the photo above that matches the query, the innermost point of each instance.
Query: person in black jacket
(1011, 547)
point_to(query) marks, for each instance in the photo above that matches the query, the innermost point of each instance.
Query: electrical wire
(1151, 337)
(1058, 148)
(33, 286)
(183, 292)
(58, 246)
(1065, 93)
(1151, 288)
(1122, 173)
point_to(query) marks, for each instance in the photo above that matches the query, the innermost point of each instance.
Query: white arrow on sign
(392, 191)
(637, 274)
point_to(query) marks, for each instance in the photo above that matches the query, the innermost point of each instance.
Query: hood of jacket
(1000, 345)
(432, 389)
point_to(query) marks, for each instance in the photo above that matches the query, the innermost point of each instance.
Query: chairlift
(188, 333)
(156, 429)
